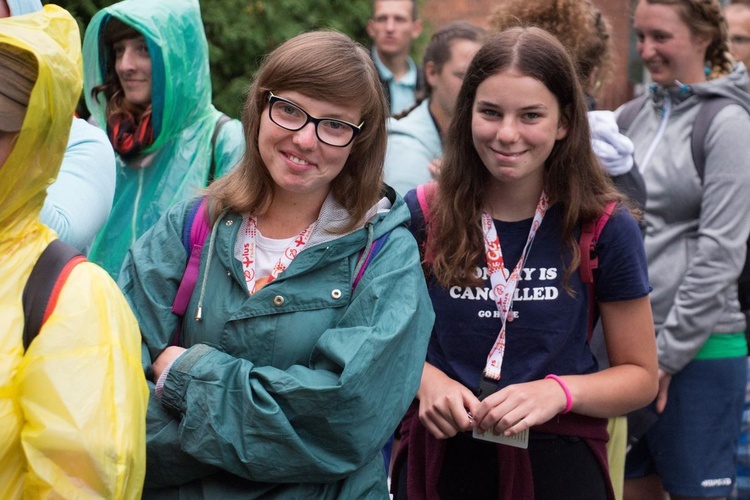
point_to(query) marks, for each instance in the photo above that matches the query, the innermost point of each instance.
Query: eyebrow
(334, 116)
(531, 107)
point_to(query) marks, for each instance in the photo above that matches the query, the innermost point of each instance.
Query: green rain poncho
(184, 120)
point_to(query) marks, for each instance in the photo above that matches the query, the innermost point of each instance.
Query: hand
(517, 407)
(661, 397)
(444, 403)
(434, 168)
(163, 360)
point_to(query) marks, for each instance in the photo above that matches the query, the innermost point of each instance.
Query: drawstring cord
(199, 310)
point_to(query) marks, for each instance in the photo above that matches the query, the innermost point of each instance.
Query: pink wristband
(568, 396)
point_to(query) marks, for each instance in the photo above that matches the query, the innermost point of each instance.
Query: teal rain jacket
(184, 120)
(293, 391)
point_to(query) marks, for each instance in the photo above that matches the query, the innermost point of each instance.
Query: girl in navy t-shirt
(509, 360)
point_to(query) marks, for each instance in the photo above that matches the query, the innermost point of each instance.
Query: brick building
(438, 12)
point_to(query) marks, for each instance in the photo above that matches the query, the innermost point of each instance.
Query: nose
(390, 24)
(127, 60)
(507, 130)
(306, 137)
(645, 48)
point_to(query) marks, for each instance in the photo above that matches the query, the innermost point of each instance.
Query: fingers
(661, 396)
(517, 407)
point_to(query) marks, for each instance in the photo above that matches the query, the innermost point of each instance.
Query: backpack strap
(372, 252)
(212, 170)
(426, 192)
(44, 285)
(708, 110)
(194, 234)
(628, 112)
(590, 232)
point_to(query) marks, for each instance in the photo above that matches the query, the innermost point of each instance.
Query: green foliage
(241, 32)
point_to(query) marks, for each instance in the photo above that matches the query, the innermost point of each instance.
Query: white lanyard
(502, 288)
(248, 253)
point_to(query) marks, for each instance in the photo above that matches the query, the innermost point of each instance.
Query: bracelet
(568, 396)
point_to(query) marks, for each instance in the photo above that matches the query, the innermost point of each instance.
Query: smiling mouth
(509, 154)
(296, 160)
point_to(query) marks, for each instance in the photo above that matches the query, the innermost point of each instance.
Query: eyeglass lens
(291, 117)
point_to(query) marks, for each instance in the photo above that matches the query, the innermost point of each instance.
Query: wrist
(566, 390)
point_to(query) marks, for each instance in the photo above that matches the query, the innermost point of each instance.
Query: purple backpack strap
(199, 228)
(590, 233)
(374, 249)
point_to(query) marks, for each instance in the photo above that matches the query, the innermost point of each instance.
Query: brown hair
(578, 24)
(329, 66)
(438, 51)
(573, 177)
(705, 18)
(414, 7)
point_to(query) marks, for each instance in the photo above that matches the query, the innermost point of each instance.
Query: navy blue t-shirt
(548, 333)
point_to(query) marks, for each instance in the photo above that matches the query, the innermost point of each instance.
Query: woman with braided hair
(696, 233)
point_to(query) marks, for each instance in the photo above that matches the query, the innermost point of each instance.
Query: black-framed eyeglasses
(291, 116)
(739, 39)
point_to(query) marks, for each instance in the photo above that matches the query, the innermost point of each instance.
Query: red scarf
(129, 135)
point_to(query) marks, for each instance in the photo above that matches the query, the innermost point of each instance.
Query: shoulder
(621, 225)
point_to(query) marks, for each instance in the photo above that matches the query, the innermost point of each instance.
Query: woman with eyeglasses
(313, 312)
(697, 228)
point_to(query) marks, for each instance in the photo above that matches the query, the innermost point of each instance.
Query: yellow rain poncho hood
(55, 42)
(73, 405)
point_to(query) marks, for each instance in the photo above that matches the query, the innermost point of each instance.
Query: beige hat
(18, 74)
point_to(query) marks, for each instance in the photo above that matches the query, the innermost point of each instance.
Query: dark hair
(705, 18)
(325, 65)
(573, 177)
(438, 51)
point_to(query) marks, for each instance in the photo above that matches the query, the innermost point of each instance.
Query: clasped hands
(447, 407)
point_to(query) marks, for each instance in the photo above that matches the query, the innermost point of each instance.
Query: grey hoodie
(695, 234)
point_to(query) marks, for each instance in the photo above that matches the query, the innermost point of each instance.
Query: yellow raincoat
(72, 409)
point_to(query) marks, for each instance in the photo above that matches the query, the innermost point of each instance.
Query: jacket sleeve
(80, 199)
(83, 395)
(722, 238)
(321, 421)
(230, 146)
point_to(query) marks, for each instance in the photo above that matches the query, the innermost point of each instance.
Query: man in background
(737, 15)
(393, 26)
(415, 141)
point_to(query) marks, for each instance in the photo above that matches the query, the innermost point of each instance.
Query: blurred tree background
(241, 32)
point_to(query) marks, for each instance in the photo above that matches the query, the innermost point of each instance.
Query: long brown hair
(573, 177)
(325, 65)
(705, 18)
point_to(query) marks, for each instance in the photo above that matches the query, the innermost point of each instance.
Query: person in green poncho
(147, 84)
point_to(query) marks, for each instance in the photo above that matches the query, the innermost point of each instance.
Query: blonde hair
(325, 65)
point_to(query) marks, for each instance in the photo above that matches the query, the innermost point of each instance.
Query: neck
(287, 216)
(397, 63)
(441, 117)
(512, 203)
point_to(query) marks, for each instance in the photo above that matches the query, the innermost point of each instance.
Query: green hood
(177, 44)
(177, 164)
